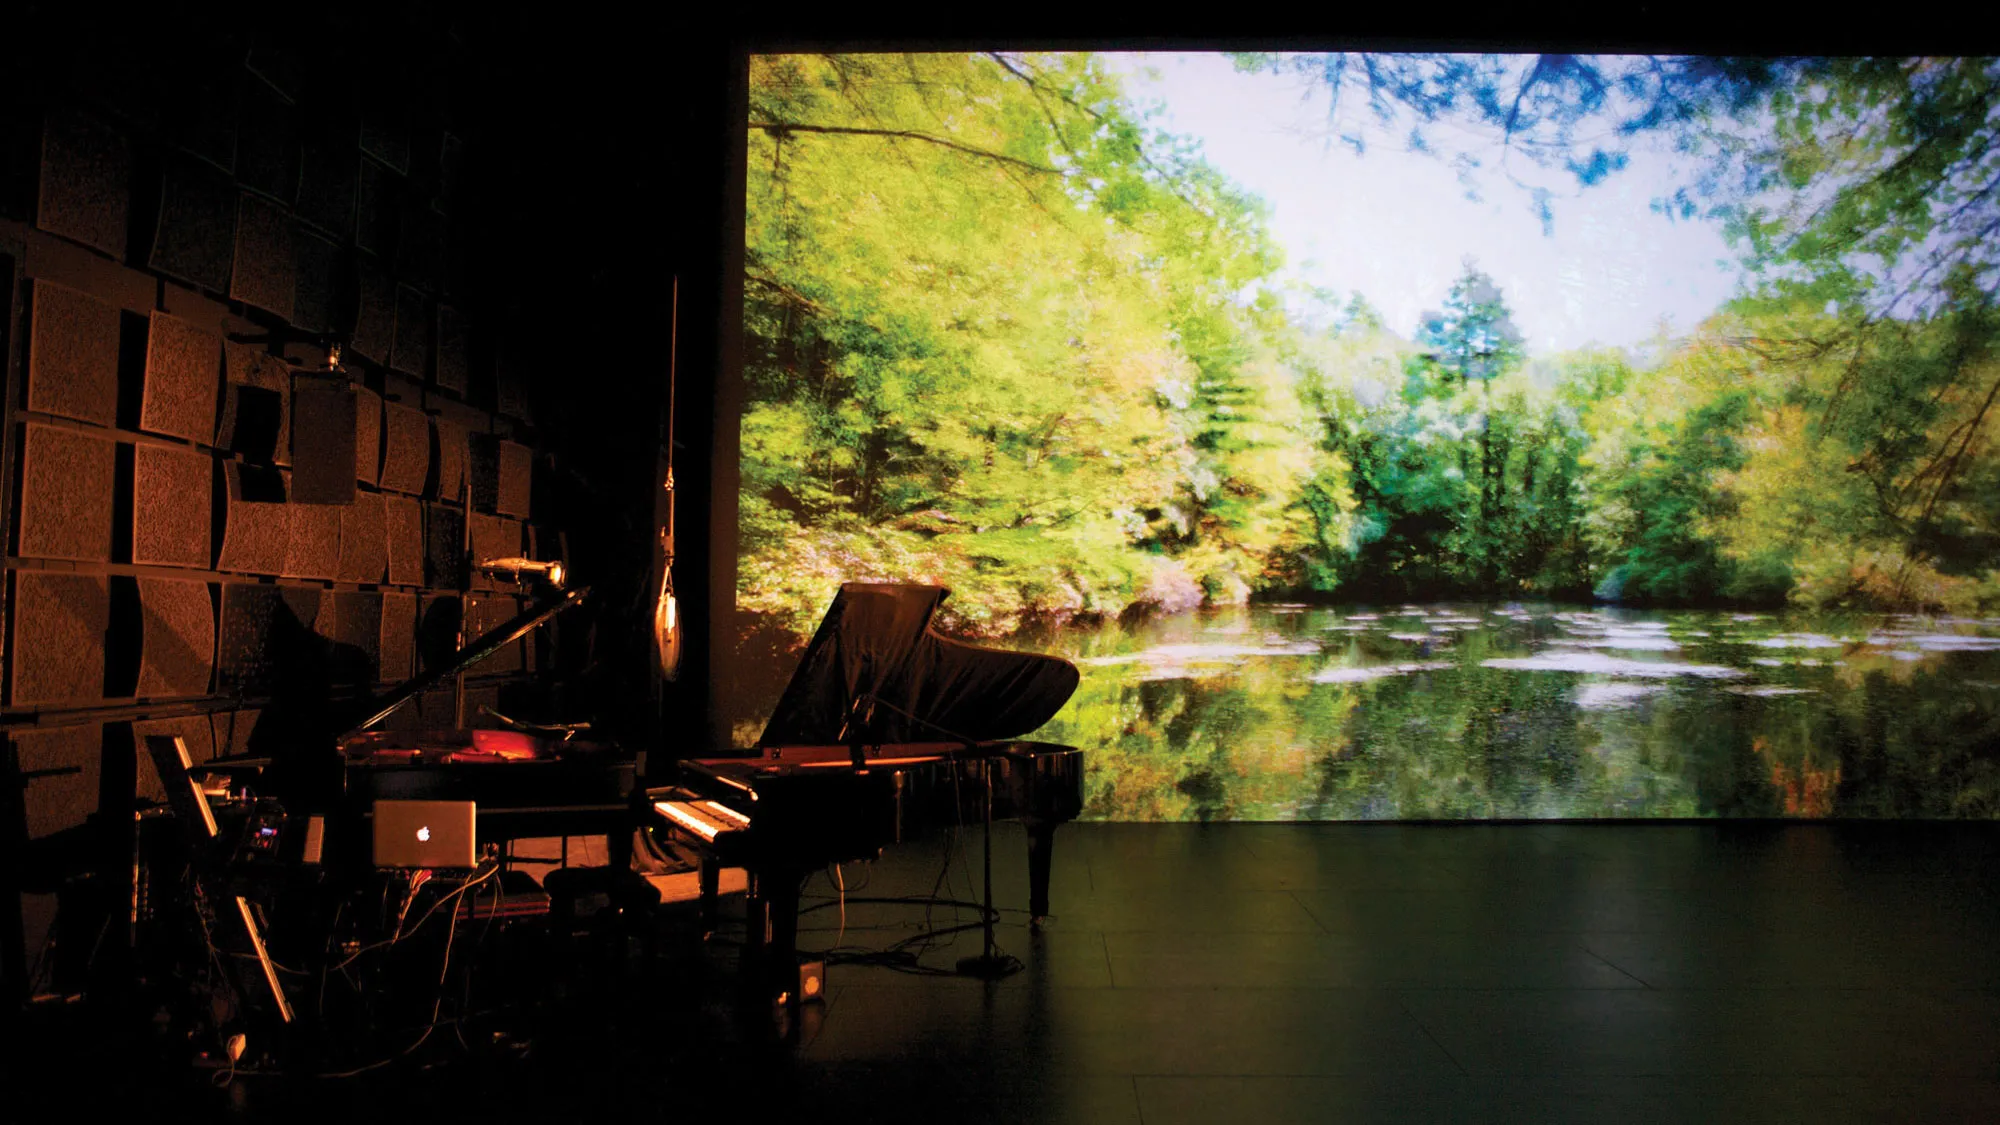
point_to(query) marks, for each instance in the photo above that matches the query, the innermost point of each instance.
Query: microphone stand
(989, 964)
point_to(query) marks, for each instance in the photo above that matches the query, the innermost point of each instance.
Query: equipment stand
(990, 964)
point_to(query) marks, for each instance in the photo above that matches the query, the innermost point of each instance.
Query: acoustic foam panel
(374, 314)
(201, 115)
(256, 528)
(266, 272)
(250, 426)
(415, 327)
(375, 209)
(177, 654)
(437, 630)
(86, 181)
(312, 545)
(420, 244)
(232, 730)
(267, 150)
(398, 644)
(173, 505)
(451, 165)
(517, 463)
(66, 485)
(183, 379)
(195, 240)
(403, 522)
(244, 660)
(451, 448)
(316, 298)
(454, 356)
(485, 613)
(194, 730)
(439, 709)
(278, 65)
(444, 547)
(72, 355)
(357, 638)
(329, 171)
(367, 435)
(511, 387)
(385, 127)
(495, 537)
(364, 540)
(406, 450)
(59, 636)
(62, 765)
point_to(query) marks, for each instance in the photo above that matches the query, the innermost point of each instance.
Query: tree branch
(781, 128)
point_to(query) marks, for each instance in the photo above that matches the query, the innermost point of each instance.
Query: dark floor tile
(1132, 1030)
(1307, 960)
(1954, 1035)
(1835, 957)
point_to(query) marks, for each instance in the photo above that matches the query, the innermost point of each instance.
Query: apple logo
(424, 835)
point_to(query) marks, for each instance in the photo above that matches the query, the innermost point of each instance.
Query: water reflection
(1457, 711)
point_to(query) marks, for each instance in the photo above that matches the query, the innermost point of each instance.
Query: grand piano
(887, 731)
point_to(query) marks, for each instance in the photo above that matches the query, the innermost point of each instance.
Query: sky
(1397, 226)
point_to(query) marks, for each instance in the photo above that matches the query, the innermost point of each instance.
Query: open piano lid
(876, 644)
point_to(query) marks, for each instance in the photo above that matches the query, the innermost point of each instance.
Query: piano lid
(876, 643)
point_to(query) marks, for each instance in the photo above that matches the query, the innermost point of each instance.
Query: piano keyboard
(705, 819)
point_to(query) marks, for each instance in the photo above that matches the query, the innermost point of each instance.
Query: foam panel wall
(495, 537)
(256, 525)
(183, 380)
(517, 464)
(364, 539)
(312, 544)
(172, 506)
(86, 181)
(403, 524)
(72, 355)
(374, 314)
(375, 209)
(316, 296)
(193, 730)
(367, 436)
(398, 646)
(415, 328)
(327, 178)
(267, 150)
(177, 655)
(59, 624)
(232, 729)
(245, 658)
(256, 416)
(266, 273)
(454, 358)
(438, 622)
(357, 637)
(406, 452)
(66, 794)
(195, 239)
(444, 546)
(451, 450)
(66, 483)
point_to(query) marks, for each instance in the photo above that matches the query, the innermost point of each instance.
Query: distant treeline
(1005, 335)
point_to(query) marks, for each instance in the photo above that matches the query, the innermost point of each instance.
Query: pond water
(1460, 711)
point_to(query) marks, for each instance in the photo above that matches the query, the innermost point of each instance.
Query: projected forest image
(1398, 435)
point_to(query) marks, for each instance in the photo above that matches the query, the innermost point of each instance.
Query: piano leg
(710, 879)
(1041, 843)
(771, 961)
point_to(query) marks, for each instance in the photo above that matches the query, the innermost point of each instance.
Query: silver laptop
(426, 834)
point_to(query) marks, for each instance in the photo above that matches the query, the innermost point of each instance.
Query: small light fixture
(522, 571)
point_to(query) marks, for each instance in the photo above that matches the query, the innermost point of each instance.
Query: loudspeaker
(323, 424)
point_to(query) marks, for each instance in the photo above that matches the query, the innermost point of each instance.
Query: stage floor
(1235, 973)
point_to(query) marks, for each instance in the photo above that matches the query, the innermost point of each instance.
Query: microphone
(519, 571)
